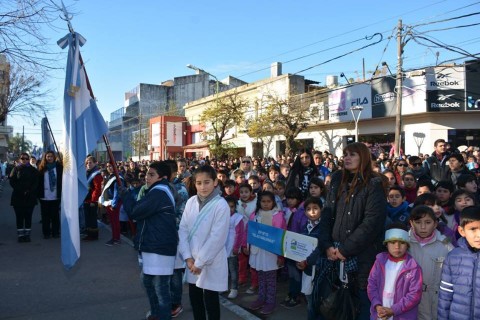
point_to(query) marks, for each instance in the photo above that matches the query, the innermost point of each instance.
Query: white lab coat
(207, 245)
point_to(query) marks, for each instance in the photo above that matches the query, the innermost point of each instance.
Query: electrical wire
(383, 52)
(444, 46)
(345, 54)
(336, 36)
(445, 20)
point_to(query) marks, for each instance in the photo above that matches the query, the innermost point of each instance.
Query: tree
(21, 38)
(26, 96)
(287, 116)
(261, 127)
(139, 142)
(221, 115)
(17, 145)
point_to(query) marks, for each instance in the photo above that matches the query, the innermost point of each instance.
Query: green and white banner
(289, 244)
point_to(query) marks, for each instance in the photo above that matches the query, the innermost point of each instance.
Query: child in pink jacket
(395, 281)
(235, 241)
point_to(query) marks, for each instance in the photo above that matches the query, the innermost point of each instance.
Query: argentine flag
(83, 127)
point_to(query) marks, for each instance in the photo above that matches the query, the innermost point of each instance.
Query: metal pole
(356, 118)
(398, 87)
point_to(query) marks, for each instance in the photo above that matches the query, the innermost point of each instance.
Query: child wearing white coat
(203, 233)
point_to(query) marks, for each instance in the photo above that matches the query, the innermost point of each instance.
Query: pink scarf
(423, 240)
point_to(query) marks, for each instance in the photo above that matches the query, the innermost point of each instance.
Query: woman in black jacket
(303, 170)
(24, 181)
(50, 193)
(352, 230)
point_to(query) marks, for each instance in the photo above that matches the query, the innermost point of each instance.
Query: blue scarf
(52, 179)
(399, 214)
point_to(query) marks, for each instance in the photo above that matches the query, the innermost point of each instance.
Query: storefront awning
(196, 147)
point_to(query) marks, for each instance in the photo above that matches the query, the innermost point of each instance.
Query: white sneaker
(233, 294)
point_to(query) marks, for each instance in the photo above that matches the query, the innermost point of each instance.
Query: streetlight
(356, 117)
(191, 66)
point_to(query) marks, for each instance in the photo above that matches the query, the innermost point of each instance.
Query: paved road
(103, 285)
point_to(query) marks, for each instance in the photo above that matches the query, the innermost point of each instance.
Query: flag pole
(105, 138)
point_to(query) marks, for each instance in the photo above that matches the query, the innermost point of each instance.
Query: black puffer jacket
(437, 169)
(24, 181)
(156, 220)
(359, 225)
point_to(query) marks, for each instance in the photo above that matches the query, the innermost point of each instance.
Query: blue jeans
(158, 294)
(176, 286)
(295, 279)
(233, 271)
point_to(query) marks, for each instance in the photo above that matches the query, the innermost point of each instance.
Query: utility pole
(398, 87)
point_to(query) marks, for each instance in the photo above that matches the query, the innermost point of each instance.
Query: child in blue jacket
(459, 294)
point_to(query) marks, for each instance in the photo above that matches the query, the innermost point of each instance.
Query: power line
(445, 20)
(336, 36)
(345, 54)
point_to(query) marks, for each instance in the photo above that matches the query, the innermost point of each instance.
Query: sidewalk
(104, 284)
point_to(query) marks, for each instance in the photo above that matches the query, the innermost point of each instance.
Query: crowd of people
(405, 230)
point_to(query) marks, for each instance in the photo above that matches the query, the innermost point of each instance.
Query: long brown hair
(362, 177)
(42, 167)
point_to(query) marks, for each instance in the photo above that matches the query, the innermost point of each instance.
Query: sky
(132, 42)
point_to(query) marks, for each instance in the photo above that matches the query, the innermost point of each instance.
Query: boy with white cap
(395, 281)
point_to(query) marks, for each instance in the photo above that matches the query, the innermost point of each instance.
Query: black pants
(203, 299)
(24, 216)
(50, 210)
(90, 216)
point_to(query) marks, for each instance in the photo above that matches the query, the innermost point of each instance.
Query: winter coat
(459, 294)
(420, 174)
(246, 208)
(41, 182)
(318, 257)
(359, 226)
(410, 194)
(436, 169)
(94, 179)
(156, 223)
(236, 235)
(430, 257)
(298, 220)
(207, 243)
(299, 179)
(24, 181)
(408, 288)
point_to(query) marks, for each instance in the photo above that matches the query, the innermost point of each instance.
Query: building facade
(441, 102)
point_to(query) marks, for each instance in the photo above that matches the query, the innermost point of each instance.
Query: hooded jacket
(156, 220)
(459, 296)
(408, 288)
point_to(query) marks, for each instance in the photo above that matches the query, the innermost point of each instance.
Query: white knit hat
(396, 235)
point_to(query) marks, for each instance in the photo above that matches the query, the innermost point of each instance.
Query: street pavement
(104, 284)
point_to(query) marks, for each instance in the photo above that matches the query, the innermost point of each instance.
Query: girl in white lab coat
(203, 233)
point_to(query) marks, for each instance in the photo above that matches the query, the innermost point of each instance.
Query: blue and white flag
(47, 139)
(83, 127)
